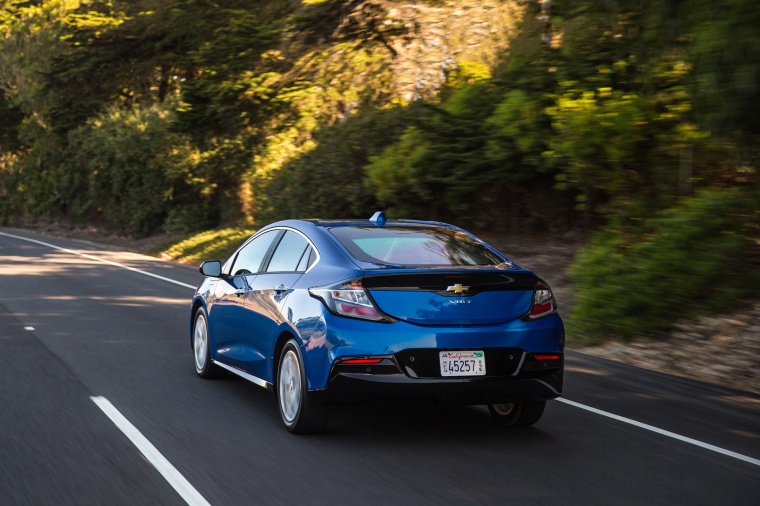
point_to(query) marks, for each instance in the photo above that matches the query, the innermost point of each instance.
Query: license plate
(463, 363)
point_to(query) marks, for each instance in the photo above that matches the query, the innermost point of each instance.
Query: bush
(698, 258)
(127, 170)
(330, 180)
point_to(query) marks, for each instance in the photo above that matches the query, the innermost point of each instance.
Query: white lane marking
(663, 432)
(652, 428)
(28, 328)
(91, 257)
(167, 470)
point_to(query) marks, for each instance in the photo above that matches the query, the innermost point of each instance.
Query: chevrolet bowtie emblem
(457, 288)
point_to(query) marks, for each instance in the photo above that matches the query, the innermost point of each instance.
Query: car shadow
(407, 421)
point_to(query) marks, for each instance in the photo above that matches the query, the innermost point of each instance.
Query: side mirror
(212, 268)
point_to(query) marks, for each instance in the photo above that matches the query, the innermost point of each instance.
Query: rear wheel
(204, 366)
(518, 414)
(298, 414)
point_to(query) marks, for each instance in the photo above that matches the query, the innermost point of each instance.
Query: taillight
(348, 298)
(543, 301)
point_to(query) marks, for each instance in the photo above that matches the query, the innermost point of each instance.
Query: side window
(289, 252)
(306, 259)
(250, 257)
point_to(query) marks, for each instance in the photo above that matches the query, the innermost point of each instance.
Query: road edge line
(92, 257)
(663, 432)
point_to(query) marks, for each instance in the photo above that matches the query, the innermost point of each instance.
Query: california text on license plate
(463, 363)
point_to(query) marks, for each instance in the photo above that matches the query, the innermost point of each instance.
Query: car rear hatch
(463, 297)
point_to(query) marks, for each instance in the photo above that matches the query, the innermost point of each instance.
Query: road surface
(100, 404)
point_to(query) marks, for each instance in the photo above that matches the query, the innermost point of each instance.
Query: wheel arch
(197, 303)
(282, 339)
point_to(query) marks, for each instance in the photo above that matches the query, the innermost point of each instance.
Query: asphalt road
(75, 328)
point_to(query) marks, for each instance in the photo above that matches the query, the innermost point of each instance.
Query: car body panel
(263, 315)
(335, 337)
(426, 308)
(226, 324)
(251, 315)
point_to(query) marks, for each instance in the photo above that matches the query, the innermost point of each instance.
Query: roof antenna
(378, 218)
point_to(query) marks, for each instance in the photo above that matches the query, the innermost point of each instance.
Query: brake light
(348, 298)
(543, 301)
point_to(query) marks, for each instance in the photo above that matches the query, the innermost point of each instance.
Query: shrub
(698, 258)
(330, 180)
(128, 170)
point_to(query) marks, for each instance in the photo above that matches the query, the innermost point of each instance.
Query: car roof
(367, 223)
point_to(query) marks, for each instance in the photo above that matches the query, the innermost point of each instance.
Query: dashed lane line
(163, 466)
(600, 412)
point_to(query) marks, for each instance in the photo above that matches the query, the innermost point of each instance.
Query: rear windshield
(414, 246)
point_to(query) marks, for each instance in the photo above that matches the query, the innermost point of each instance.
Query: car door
(265, 302)
(226, 322)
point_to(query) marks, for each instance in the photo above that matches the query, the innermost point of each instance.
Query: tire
(201, 351)
(519, 414)
(298, 414)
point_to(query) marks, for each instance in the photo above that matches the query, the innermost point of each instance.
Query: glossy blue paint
(432, 308)
(251, 311)
(339, 337)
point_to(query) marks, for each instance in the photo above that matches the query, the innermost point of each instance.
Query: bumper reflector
(547, 357)
(361, 361)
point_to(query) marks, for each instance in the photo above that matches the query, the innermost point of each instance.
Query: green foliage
(476, 157)
(520, 132)
(329, 181)
(183, 114)
(342, 79)
(126, 168)
(638, 278)
(9, 128)
(602, 138)
(227, 84)
(208, 245)
(400, 177)
(92, 45)
(442, 165)
(725, 50)
(11, 190)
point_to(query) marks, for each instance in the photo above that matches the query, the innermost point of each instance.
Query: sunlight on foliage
(127, 168)
(209, 245)
(183, 115)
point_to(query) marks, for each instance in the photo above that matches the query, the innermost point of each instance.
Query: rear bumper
(353, 388)
(336, 338)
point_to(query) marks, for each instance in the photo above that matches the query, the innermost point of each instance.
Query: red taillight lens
(361, 361)
(543, 357)
(543, 301)
(348, 298)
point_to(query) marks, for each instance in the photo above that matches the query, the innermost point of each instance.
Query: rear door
(265, 302)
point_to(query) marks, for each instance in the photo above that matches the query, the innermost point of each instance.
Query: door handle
(239, 292)
(280, 288)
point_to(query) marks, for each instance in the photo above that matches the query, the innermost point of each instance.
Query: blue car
(352, 311)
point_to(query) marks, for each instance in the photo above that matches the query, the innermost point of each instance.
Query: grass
(208, 245)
